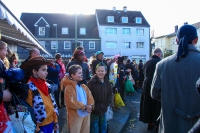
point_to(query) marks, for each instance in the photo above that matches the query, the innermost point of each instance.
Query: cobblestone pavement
(136, 126)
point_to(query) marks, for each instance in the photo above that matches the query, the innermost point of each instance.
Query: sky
(162, 15)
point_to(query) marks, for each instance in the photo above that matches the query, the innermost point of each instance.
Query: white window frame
(91, 42)
(67, 42)
(174, 41)
(41, 31)
(111, 45)
(54, 45)
(65, 30)
(140, 45)
(125, 31)
(127, 45)
(111, 31)
(124, 19)
(138, 20)
(140, 32)
(82, 31)
(42, 43)
(110, 19)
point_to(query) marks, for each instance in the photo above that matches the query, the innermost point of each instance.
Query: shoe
(150, 127)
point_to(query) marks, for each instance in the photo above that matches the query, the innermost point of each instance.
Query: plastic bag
(109, 113)
(128, 87)
(6, 125)
(118, 100)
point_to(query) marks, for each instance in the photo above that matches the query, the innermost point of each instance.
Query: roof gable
(41, 19)
(102, 14)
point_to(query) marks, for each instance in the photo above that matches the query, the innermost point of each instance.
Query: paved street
(136, 126)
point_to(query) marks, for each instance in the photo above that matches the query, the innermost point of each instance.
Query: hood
(67, 81)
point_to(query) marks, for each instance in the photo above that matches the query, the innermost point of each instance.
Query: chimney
(114, 8)
(185, 23)
(125, 9)
(176, 28)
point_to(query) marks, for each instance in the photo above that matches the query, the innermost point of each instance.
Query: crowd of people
(86, 87)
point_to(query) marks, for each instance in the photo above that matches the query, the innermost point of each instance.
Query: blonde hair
(6, 63)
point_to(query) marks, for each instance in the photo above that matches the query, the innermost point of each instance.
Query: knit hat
(185, 35)
(116, 56)
(99, 52)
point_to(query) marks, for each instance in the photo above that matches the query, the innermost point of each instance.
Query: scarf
(186, 34)
(40, 84)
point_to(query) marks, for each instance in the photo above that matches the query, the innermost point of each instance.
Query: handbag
(20, 89)
(20, 117)
(109, 113)
(128, 86)
(118, 100)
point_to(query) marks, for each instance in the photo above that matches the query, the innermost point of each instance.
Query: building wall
(120, 38)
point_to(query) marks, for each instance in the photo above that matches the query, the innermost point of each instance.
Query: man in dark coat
(150, 108)
(141, 73)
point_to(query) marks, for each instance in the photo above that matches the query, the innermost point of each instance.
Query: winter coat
(53, 72)
(85, 68)
(102, 93)
(149, 107)
(174, 84)
(72, 104)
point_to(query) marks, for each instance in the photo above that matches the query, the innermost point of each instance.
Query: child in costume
(79, 101)
(39, 97)
(102, 92)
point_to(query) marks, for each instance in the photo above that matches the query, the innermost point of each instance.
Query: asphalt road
(136, 126)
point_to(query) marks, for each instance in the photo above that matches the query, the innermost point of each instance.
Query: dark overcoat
(174, 84)
(149, 107)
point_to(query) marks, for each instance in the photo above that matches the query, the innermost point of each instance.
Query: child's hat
(99, 52)
(39, 60)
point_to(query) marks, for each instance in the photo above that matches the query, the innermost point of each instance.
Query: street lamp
(55, 25)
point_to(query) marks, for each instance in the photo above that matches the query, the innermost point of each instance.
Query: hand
(7, 96)
(116, 89)
(56, 127)
(89, 108)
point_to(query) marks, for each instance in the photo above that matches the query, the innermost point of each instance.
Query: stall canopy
(13, 31)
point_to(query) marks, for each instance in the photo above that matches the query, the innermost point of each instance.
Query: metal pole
(75, 31)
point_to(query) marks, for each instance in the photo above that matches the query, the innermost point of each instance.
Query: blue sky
(162, 15)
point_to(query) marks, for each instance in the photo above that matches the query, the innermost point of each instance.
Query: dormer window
(41, 31)
(82, 31)
(110, 19)
(64, 30)
(138, 20)
(124, 19)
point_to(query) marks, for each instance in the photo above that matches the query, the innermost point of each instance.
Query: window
(140, 32)
(42, 43)
(111, 44)
(140, 44)
(124, 19)
(67, 45)
(91, 45)
(80, 44)
(54, 45)
(110, 19)
(41, 30)
(111, 31)
(82, 31)
(138, 20)
(174, 41)
(127, 45)
(65, 30)
(126, 31)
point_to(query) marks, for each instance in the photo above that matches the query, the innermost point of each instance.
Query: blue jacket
(53, 73)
